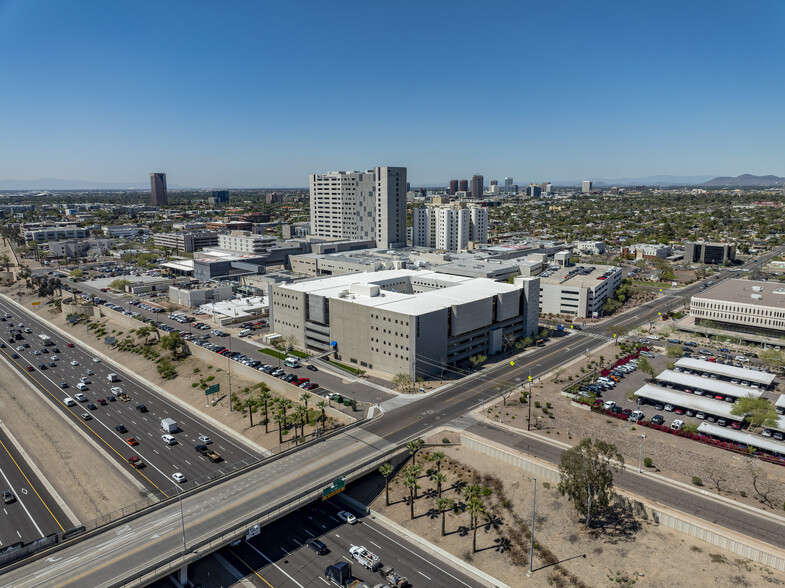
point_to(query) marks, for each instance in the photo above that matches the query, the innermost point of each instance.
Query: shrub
(445, 440)
(697, 481)
(647, 461)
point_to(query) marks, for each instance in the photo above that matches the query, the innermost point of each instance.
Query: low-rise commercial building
(646, 251)
(418, 323)
(715, 253)
(193, 295)
(54, 232)
(578, 290)
(121, 231)
(744, 306)
(245, 242)
(186, 242)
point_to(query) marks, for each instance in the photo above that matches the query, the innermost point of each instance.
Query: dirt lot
(673, 457)
(636, 552)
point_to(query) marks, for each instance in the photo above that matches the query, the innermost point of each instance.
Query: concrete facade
(567, 291)
(744, 306)
(186, 242)
(714, 253)
(450, 228)
(405, 321)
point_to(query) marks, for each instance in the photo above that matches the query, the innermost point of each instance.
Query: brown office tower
(477, 181)
(453, 187)
(158, 189)
(463, 186)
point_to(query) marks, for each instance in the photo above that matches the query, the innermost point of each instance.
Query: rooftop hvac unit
(756, 296)
(757, 288)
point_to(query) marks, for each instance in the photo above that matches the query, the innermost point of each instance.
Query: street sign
(214, 389)
(337, 486)
(512, 363)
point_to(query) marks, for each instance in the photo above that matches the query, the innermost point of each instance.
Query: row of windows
(738, 309)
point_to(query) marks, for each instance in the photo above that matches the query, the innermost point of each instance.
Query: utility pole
(534, 506)
(529, 421)
(640, 456)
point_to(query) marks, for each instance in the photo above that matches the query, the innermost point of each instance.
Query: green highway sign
(214, 389)
(337, 486)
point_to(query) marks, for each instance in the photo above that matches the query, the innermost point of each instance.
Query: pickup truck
(393, 578)
(213, 456)
(124, 397)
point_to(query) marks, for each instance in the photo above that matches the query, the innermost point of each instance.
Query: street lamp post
(531, 548)
(229, 371)
(529, 421)
(640, 455)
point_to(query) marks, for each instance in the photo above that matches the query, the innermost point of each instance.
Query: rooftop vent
(756, 296)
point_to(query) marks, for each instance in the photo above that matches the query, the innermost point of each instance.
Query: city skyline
(614, 90)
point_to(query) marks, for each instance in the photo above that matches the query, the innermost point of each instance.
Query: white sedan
(96, 360)
(347, 517)
(74, 362)
(178, 477)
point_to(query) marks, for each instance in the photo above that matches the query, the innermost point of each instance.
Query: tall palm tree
(249, 403)
(265, 397)
(411, 483)
(304, 398)
(280, 418)
(437, 457)
(300, 413)
(413, 470)
(414, 447)
(444, 504)
(476, 507)
(386, 470)
(322, 405)
(438, 478)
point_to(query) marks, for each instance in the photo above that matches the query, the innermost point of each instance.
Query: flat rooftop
(700, 403)
(449, 290)
(728, 371)
(577, 275)
(742, 291)
(707, 384)
(743, 438)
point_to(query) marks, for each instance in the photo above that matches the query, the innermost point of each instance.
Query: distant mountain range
(58, 184)
(746, 181)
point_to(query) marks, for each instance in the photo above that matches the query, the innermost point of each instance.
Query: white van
(168, 439)
(677, 425)
(81, 386)
(292, 362)
(112, 377)
(245, 333)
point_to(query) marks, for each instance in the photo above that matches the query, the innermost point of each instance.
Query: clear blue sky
(262, 93)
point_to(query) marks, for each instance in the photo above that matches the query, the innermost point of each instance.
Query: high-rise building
(361, 206)
(158, 189)
(477, 184)
(534, 191)
(546, 188)
(508, 185)
(217, 196)
(451, 228)
(453, 187)
(493, 183)
(586, 186)
(273, 198)
(463, 186)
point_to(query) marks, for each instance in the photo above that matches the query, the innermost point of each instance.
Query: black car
(121, 429)
(111, 399)
(52, 364)
(41, 366)
(317, 546)
(55, 350)
(92, 406)
(312, 368)
(141, 408)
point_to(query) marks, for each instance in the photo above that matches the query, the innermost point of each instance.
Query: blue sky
(258, 94)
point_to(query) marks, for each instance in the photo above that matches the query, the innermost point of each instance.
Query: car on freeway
(347, 517)
(168, 439)
(178, 477)
(141, 408)
(96, 360)
(20, 348)
(80, 397)
(8, 497)
(90, 373)
(54, 358)
(135, 461)
(74, 362)
(63, 385)
(30, 368)
(205, 440)
(121, 429)
(69, 344)
(86, 416)
(41, 366)
(14, 356)
(101, 401)
(132, 441)
(317, 546)
(92, 406)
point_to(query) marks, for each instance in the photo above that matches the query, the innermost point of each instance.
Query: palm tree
(476, 507)
(414, 447)
(438, 478)
(386, 469)
(265, 397)
(413, 470)
(284, 404)
(322, 405)
(249, 403)
(304, 398)
(437, 456)
(301, 414)
(280, 418)
(444, 504)
(411, 483)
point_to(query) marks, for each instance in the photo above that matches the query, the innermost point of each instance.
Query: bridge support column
(182, 576)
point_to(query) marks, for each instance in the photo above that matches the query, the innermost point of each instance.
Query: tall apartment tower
(453, 187)
(477, 182)
(158, 189)
(361, 206)
(450, 228)
(507, 185)
(586, 186)
(463, 186)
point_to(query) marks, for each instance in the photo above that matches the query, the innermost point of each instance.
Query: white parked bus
(292, 362)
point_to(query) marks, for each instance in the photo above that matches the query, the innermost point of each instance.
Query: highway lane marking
(274, 564)
(379, 546)
(423, 575)
(82, 422)
(307, 531)
(34, 490)
(249, 567)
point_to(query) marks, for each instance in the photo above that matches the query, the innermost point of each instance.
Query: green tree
(304, 398)
(438, 478)
(265, 397)
(413, 470)
(674, 352)
(410, 482)
(4, 259)
(586, 475)
(322, 405)
(475, 507)
(437, 457)
(644, 365)
(118, 284)
(173, 342)
(760, 412)
(402, 381)
(77, 273)
(301, 415)
(280, 419)
(478, 360)
(249, 405)
(413, 447)
(386, 470)
(443, 505)
(772, 358)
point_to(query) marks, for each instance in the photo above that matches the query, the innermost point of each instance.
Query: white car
(69, 401)
(74, 362)
(668, 407)
(90, 373)
(700, 415)
(654, 337)
(84, 380)
(96, 360)
(80, 397)
(205, 440)
(347, 517)
(54, 358)
(116, 390)
(168, 439)
(178, 477)
(609, 404)
(636, 416)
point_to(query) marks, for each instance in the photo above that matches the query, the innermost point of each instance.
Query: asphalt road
(279, 557)
(35, 513)
(161, 460)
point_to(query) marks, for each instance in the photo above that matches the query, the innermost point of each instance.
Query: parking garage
(707, 385)
(763, 379)
(747, 439)
(709, 406)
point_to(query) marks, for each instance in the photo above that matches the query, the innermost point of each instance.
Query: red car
(30, 368)
(132, 441)
(69, 344)
(135, 461)
(102, 402)
(735, 425)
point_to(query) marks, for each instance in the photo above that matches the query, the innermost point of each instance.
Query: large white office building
(413, 322)
(578, 290)
(451, 228)
(360, 206)
(246, 242)
(744, 306)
